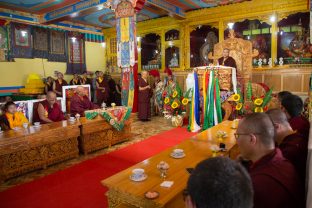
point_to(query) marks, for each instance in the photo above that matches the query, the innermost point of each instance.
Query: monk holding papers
(80, 102)
(48, 110)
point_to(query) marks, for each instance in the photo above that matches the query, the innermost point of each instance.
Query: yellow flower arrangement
(175, 93)
(239, 106)
(258, 101)
(258, 110)
(236, 97)
(167, 100)
(185, 101)
(174, 105)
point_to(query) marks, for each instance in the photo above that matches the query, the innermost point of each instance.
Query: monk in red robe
(58, 84)
(102, 89)
(80, 102)
(144, 98)
(227, 60)
(292, 105)
(49, 110)
(76, 80)
(293, 145)
(275, 180)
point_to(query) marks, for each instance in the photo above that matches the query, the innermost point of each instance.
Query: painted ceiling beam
(172, 9)
(71, 10)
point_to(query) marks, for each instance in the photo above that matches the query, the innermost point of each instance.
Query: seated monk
(292, 105)
(11, 117)
(227, 60)
(275, 180)
(48, 111)
(80, 102)
(293, 145)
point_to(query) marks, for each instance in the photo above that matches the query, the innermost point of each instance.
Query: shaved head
(80, 91)
(51, 94)
(51, 97)
(261, 125)
(277, 116)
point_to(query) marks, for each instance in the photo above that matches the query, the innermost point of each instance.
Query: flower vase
(177, 121)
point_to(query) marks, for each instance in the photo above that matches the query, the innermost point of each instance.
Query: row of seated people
(271, 169)
(46, 111)
(103, 88)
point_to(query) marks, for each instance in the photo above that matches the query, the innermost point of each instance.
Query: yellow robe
(16, 120)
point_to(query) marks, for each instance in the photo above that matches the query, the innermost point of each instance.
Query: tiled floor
(140, 130)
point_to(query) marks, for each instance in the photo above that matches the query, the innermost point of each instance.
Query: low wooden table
(98, 133)
(123, 191)
(33, 148)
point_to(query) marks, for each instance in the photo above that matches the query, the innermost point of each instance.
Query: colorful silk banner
(213, 114)
(194, 118)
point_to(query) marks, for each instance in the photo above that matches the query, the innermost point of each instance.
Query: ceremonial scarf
(100, 79)
(60, 81)
(16, 120)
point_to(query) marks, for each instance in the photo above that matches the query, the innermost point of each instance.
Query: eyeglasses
(236, 135)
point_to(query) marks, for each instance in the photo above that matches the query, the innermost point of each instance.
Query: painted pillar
(274, 32)
(221, 30)
(127, 53)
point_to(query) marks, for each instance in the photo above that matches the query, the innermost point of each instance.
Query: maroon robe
(228, 62)
(276, 183)
(301, 125)
(54, 114)
(144, 101)
(102, 96)
(49, 87)
(80, 105)
(72, 82)
(58, 86)
(295, 148)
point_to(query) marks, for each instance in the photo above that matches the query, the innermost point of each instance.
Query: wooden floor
(140, 130)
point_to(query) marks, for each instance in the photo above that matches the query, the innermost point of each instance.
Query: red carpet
(79, 186)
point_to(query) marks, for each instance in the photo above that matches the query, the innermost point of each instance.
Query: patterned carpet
(140, 130)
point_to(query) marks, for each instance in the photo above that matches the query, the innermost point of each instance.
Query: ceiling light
(231, 25)
(273, 18)
(103, 44)
(73, 39)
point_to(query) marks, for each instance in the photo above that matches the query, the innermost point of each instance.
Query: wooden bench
(24, 150)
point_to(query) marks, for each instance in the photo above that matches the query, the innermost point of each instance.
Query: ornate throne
(240, 50)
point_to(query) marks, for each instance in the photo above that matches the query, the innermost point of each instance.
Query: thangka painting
(22, 106)
(41, 47)
(57, 50)
(69, 91)
(3, 43)
(21, 41)
(76, 53)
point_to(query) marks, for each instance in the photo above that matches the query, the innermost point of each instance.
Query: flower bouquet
(175, 103)
(251, 103)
